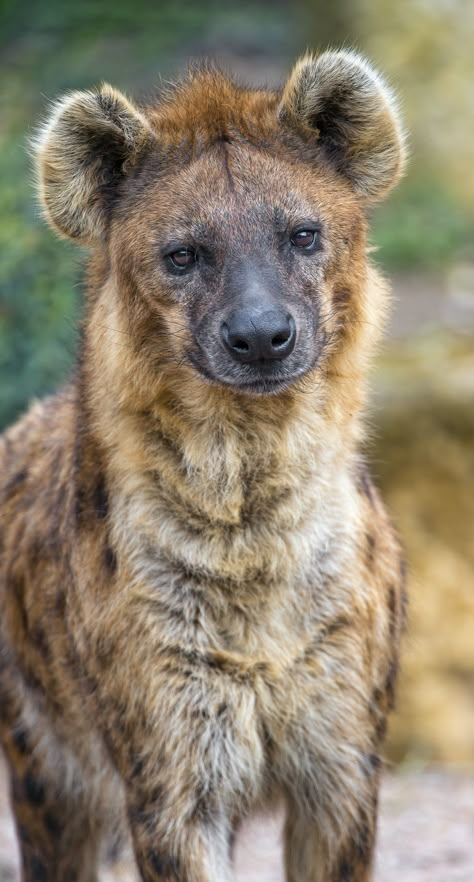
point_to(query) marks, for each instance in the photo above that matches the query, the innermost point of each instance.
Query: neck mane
(187, 459)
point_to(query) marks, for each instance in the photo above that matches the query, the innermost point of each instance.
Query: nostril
(240, 345)
(281, 338)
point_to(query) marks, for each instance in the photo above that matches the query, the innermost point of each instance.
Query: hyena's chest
(282, 665)
(292, 724)
(261, 624)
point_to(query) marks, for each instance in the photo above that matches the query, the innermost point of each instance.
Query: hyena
(201, 593)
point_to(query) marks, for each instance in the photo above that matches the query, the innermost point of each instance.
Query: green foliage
(38, 277)
(422, 226)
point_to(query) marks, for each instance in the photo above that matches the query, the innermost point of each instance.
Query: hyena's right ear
(82, 154)
(344, 105)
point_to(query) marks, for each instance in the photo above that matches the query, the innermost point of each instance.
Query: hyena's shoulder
(32, 444)
(36, 463)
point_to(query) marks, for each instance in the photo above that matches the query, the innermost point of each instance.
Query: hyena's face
(233, 220)
(239, 255)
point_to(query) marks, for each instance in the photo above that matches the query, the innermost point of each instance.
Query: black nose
(251, 335)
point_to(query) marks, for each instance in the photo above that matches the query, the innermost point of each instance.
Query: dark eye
(304, 239)
(182, 258)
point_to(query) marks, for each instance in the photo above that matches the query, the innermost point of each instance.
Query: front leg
(178, 759)
(332, 771)
(180, 830)
(184, 736)
(191, 850)
(310, 856)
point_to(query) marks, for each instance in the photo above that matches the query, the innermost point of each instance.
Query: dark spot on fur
(39, 639)
(36, 551)
(33, 789)
(110, 559)
(137, 766)
(23, 834)
(267, 738)
(59, 508)
(390, 684)
(203, 802)
(198, 713)
(20, 740)
(403, 570)
(60, 602)
(53, 825)
(159, 864)
(364, 484)
(325, 633)
(370, 549)
(346, 871)
(377, 696)
(17, 789)
(232, 836)
(377, 712)
(341, 297)
(375, 761)
(404, 608)
(35, 870)
(194, 657)
(156, 797)
(32, 680)
(372, 764)
(101, 502)
(140, 817)
(392, 600)
(392, 608)
(15, 483)
(5, 659)
(337, 625)
(363, 843)
(381, 728)
(15, 582)
(81, 504)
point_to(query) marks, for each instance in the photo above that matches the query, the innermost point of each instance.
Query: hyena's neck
(205, 483)
(222, 481)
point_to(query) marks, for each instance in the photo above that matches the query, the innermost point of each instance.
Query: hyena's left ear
(83, 153)
(342, 102)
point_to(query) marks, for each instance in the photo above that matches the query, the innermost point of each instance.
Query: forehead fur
(207, 106)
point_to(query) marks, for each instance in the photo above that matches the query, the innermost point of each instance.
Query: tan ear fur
(81, 152)
(354, 115)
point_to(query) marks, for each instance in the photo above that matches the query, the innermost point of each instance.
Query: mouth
(255, 381)
(262, 385)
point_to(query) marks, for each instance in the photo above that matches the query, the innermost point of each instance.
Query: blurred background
(422, 417)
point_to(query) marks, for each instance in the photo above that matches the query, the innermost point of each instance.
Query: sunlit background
(423, 416)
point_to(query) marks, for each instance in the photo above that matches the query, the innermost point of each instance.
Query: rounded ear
(342, 102)
(82, 153)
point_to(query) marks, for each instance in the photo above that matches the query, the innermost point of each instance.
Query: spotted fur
(201, 594)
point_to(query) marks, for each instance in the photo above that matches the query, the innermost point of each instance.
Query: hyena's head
(231, 222)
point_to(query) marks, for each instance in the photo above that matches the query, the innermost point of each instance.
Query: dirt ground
(426, 834)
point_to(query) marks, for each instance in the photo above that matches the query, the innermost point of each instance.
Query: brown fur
(201, 595)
